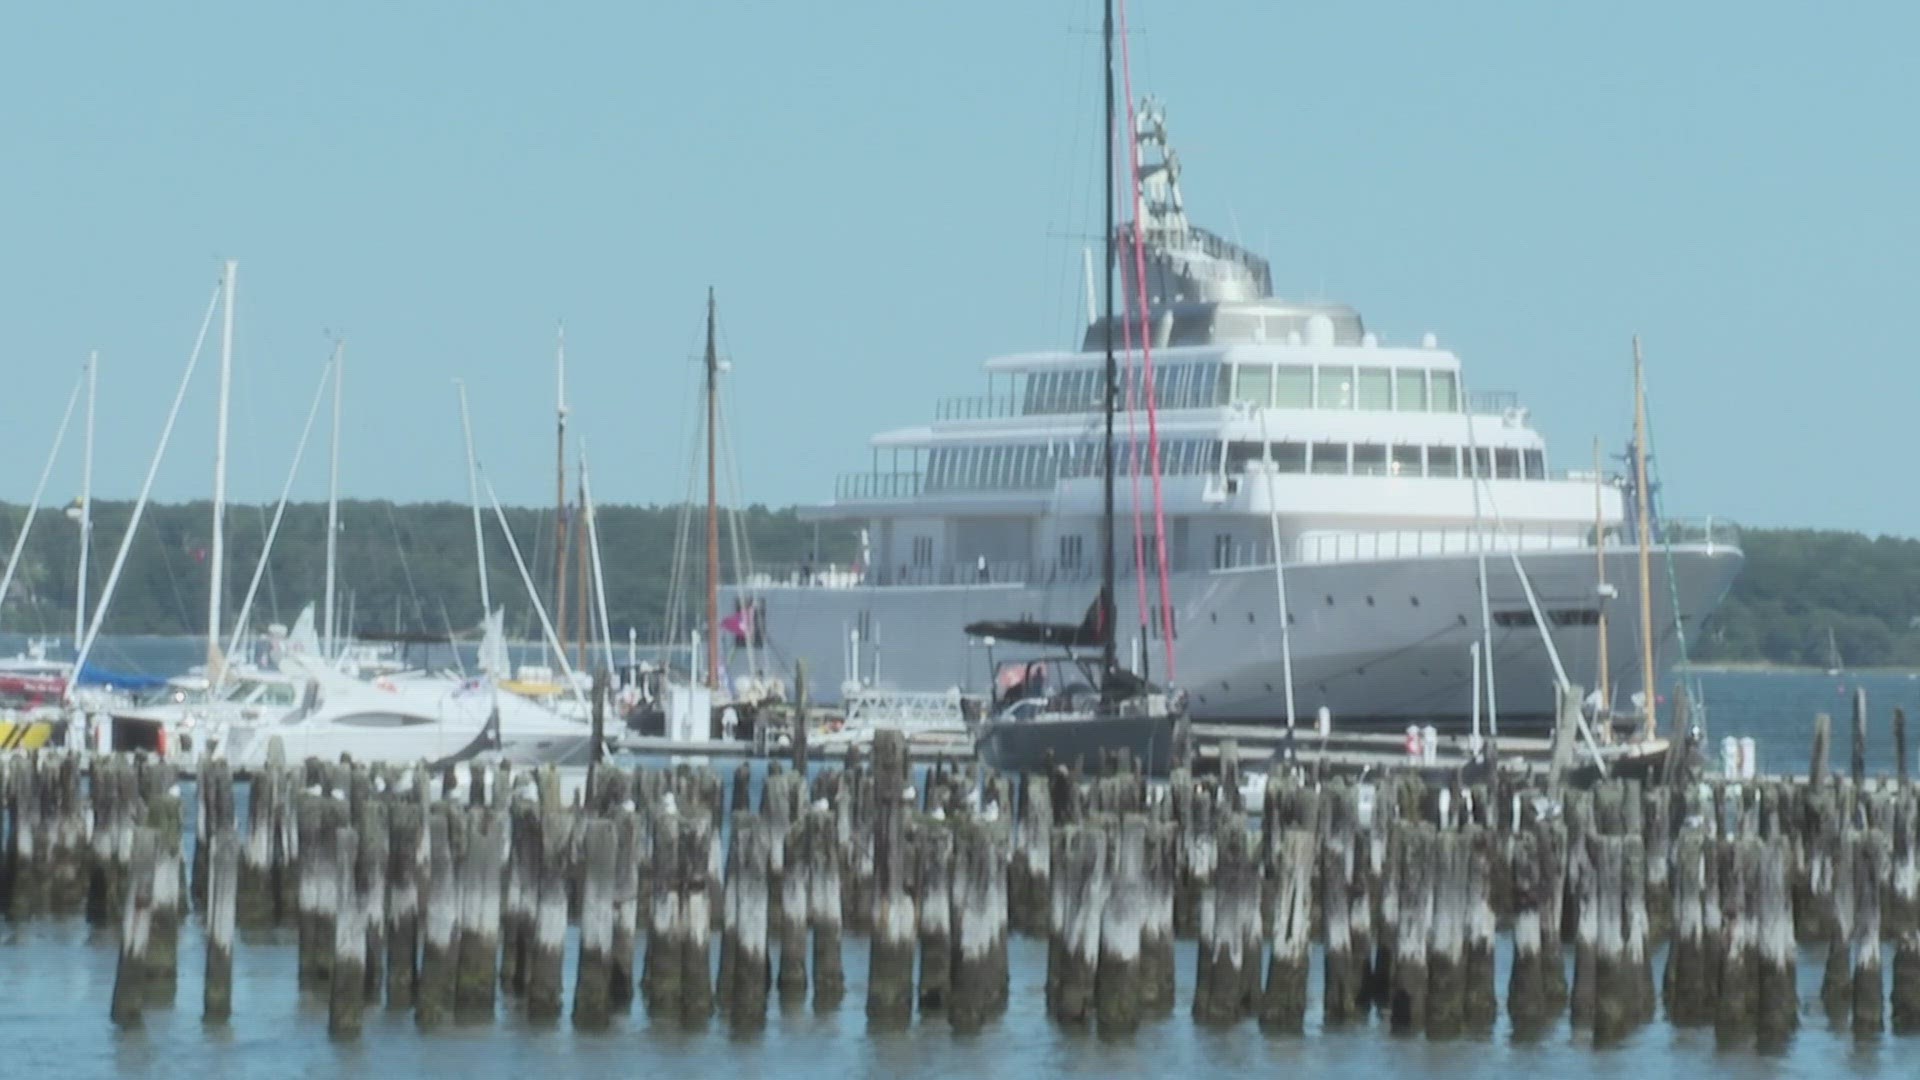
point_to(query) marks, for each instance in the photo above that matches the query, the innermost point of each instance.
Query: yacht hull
(1379, 643)
(1030, 745)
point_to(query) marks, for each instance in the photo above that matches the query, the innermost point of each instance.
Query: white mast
(473, 491)
(546, 626)
(86, 508)
(279, 511)
(332, 643)
(20, 541)
(140, 504)
(593, 546)
(1280, 574)
(217, 555)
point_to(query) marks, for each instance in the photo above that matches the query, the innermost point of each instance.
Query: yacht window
(1536, 464)
(1070, 552)
(1506, 462)
(1290, 457)
(1376, 388)
(923, 551)
(280, 694)
(936, 459)
(1222, 550)
(1446, 392)
(1410, 390)
(1190, 329)
(1279, 326)
(1208, 457)
(1002, 467)
(1482, 462)
(1239, 453)
(1036, 396)
(1443, 461)
(382, 720)
(1330, 458)
(1335, 390)
(1406, 461)
(1253, 384)
(1212, 386)
(976, 467)
(1236, 326)
(1369, 459)
(1293, 387)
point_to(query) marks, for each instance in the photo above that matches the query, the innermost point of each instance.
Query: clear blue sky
(887, 193)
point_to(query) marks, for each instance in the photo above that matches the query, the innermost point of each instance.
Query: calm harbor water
(59, 976)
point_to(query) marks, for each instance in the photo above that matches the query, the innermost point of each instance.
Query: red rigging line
(1146, 353)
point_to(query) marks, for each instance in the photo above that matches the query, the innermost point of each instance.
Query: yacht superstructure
(1388, 484)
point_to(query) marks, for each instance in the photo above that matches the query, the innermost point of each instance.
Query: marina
(1183, 541)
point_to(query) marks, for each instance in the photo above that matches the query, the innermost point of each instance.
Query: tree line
(410, 569)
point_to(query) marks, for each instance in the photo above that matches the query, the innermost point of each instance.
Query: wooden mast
(1648, 676)
(1604, 680)
(580, 631)
(713, 509)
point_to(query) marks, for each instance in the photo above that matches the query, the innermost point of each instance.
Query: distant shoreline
(1768, 667)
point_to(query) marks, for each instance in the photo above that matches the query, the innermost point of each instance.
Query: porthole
(1329, 599)
(1415, 599)
(1369, 601)
(1249, 616)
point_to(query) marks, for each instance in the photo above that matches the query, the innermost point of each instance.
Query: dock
(447, 893)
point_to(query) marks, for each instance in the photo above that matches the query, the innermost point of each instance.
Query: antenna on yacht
(86, 508)
(1105, 600)
(1648, 724)
(216, 554)
(1093, 299)
(331, 647)
(473, 493)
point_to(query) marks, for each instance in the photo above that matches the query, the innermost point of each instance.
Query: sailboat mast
(473, 494)
(332, 644)
(216, 554)
(1107, 658)
(86, 509)
(1605, 679)
(580, 635)
(1640, 517)
(560, 483)
(713, 508)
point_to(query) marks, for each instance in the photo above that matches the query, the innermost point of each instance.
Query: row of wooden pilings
(409, 892)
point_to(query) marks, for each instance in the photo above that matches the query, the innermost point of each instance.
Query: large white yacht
(1273, 416)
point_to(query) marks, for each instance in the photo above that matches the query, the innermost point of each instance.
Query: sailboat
(1107, 709)
(1834, 667)
(694, 704)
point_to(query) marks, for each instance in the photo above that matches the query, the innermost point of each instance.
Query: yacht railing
(877, 486)
(1714, 534)
(977, 407)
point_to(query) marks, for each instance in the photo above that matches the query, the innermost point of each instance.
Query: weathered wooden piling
(223, 872)
(890, 963)
(1735, 1020)
(1413, 873)
(1079, 895)
(1528, 1003)
(1447, 937)
(546, 868)
(745, 968)
(346, 974)
(1900, 744)
(823, 850)
(700, 908)
(1480, 1006)
(520, 898)
(440, 918)
(482, 866)
(1858, 762)
(933, 904)
(594, 975)
(1117, 983)
(371, 822)
(136, 922)
(979, 924)
(1157, 932)
(407, 869)
(660, 975)
(1836, 982)
(213, 797)
(263, 853)
(1870, 862)
(1345, 911)
(1776, 991)
(1688, 982)
(1822, 737)
(1227, 979)
(169, 901)
(626, 909)
(1290, 862)
(792, 850)
(1029, 877)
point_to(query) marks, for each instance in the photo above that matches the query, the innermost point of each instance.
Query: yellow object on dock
(25, 734)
